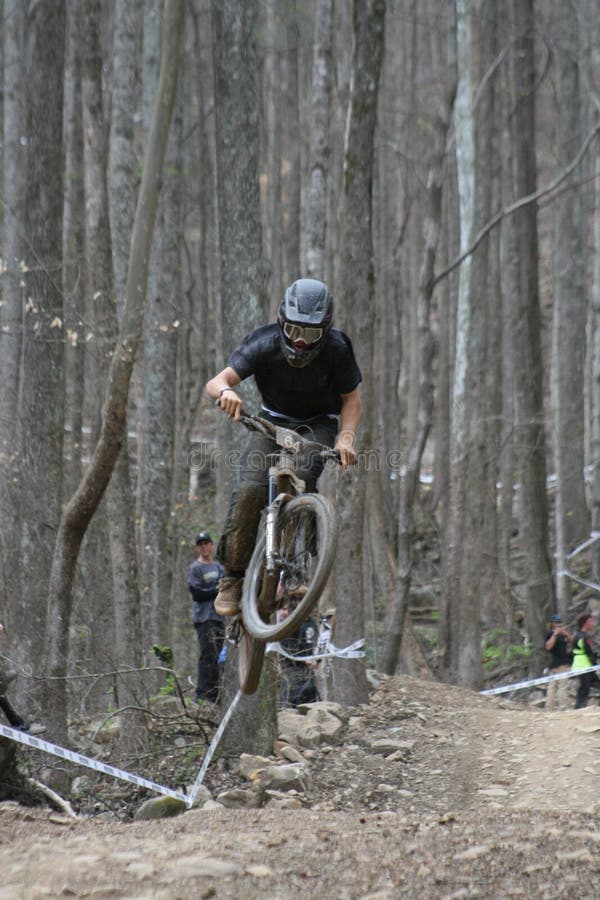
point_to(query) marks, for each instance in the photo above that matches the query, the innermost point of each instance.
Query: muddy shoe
(227, 602)
(32, 728)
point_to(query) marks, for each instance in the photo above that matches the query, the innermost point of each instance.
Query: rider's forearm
(350, 416)
(228, 378)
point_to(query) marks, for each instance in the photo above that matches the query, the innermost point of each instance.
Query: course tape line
(209, 753)
(591, 584)
(594, 536)
(353, 651)
(544, 679)
(80, 760)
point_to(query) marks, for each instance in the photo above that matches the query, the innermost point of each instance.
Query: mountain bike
(293, 554)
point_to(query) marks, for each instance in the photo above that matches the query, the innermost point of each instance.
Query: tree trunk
(315, 228)
(454, 538)
(354, 287)
(526, 338)
(157, 419)
(461, 646)
(570, 308)
(291, 147)
(74, 253)
(123, 178)
(595, 386)
(273, 103)
(82, 506)
(410, 480)
(13, 215)
(242, 297)
(41, 400)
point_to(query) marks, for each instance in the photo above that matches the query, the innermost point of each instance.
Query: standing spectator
(203, 580)
(325, 632)
(558, 644)
(584, 656)
(297, 675)
(324, 665)
(14, 719)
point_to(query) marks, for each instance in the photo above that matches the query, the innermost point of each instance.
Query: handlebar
(287, 437)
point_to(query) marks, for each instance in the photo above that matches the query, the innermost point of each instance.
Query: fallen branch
(58, 801)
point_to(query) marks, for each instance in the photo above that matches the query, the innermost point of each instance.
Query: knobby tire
(306, 556)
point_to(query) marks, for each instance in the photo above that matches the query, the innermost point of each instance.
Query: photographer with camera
(558, 643)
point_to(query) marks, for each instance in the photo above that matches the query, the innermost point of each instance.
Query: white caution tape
(350, 652)
(353, 651)
(590, 584)
(209, 753)
(594, 536)
(544, 679)
(80, 760)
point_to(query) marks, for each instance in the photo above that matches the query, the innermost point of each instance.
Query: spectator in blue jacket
(203, 580)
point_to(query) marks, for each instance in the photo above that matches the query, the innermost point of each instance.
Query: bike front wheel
(305, 542)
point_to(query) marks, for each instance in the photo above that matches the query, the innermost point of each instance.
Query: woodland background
(437, 163)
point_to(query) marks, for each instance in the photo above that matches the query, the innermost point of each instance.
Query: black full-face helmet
(305, 316)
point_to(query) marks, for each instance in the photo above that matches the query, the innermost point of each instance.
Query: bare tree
(13, 216)
(594, 89)
(74, 274)
(410, 480)
(82, 506)
(315, 228)
(570, 305)
(123, 181)
(41, 398)
(526, 330)
(101, 283)
(157, 418)
(461, 642)
(242, 285)
(354, 288)
(291, 147)
(273, 102)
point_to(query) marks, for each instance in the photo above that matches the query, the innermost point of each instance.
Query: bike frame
(282, 478)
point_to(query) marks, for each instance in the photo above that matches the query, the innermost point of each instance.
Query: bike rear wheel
(306, 537)
(250, 661)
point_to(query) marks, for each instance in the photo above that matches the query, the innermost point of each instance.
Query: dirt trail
(487, 799)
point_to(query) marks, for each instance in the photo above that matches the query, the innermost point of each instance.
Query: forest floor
(428, 791)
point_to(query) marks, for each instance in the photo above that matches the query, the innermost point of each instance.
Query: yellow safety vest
(580, 658)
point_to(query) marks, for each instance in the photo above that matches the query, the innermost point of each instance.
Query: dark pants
(250, 496)
(14, 719)
(210, 637)
(297, 684)
(583, 691)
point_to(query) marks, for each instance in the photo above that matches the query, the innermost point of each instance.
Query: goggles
(307, 333)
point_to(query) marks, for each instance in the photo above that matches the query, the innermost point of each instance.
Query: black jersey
(298, 394)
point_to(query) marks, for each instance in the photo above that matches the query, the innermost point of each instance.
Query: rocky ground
(428, 791)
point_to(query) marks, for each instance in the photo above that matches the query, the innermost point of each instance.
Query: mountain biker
(307, 376)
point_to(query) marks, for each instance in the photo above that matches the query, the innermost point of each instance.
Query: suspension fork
(272, 513)
(283, 484)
